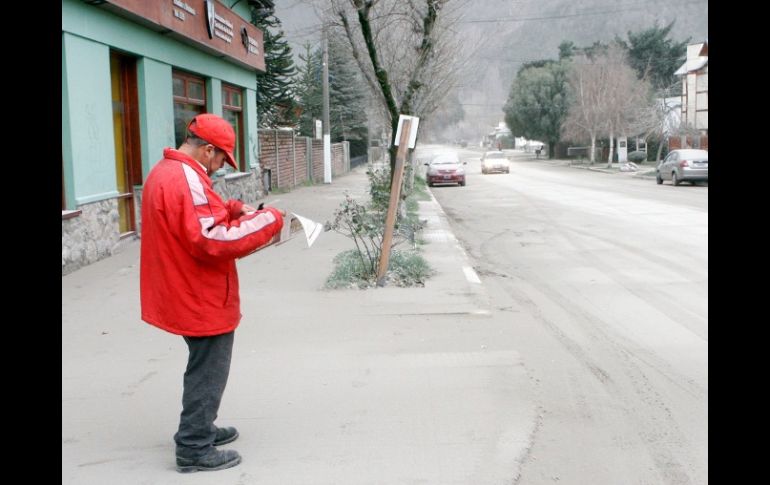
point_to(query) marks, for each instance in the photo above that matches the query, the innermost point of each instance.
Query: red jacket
(190, 239)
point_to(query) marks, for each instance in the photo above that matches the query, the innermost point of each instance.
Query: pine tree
(347, 96)
(651, 53)
(275, 87)
(309, 91)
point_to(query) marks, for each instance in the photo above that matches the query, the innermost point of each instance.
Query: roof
(697, 58)
(691, 65)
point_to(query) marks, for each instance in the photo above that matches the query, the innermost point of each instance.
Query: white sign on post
(622, 149)
(412, 131)
(318, 130)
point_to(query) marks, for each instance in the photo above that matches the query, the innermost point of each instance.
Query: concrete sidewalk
(377, 386)
(645, 170)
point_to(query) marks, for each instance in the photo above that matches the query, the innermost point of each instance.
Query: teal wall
(214, 96)
(156, 119)
(89, 151)
(241, 8)
(68, 184)
(88, 34)
(250, 120)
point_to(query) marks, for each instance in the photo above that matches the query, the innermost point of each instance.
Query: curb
(438, 230)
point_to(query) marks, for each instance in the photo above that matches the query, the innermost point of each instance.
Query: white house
(695, 93)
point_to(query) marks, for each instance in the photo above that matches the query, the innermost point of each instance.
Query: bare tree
(406, 51)
(589, 84)
(656, 119)
(607, 98)
(625, 95)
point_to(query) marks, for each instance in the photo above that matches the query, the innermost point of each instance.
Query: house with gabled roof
(695, 97)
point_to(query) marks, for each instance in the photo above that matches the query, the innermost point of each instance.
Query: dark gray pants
(208, 367)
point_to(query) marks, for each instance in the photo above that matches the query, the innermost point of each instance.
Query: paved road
(603, 279)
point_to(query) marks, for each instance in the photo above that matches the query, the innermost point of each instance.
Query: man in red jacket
(189, 282)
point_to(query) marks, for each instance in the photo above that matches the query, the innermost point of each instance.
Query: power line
(645, 6)
(523, 61)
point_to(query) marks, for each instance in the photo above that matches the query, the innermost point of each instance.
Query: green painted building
(134, 73)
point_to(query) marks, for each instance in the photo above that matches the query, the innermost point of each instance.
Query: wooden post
(395, 194)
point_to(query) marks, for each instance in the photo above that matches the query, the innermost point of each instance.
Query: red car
(445, 169)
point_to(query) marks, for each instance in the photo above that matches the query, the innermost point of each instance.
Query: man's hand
(247, 209)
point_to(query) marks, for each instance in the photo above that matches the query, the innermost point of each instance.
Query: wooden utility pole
(395, 194)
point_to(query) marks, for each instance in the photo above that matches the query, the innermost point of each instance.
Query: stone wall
(89, 237)
(95, 233)
(241, 186)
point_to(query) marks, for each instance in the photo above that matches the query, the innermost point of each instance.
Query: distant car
(687, 164)
(445, 169)
(495, 161)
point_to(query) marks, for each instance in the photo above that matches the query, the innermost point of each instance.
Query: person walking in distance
(190, 239)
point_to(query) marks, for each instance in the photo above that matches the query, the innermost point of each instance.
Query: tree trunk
(409, 184)
(392, 151)
(593, 148)
(414, 86)
(660, 149)
(612, 152)
(413, 162)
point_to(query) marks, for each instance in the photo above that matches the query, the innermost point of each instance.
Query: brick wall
(675, 142)
(278, 153)
(300, 152)
(318, 161)
(288, 164)
(338, 159)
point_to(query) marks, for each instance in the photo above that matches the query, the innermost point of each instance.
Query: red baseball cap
(217, 131)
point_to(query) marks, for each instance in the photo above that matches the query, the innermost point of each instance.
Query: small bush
(379, 189)
(637, 156)
(365, 225)
(405, 268)
(349, 271)
(420, 189)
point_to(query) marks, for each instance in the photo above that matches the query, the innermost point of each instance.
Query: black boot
(225, 435)
(213, 460)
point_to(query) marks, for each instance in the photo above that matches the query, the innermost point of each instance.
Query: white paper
(312, 229)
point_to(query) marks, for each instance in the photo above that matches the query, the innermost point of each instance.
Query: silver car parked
(688, 164)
